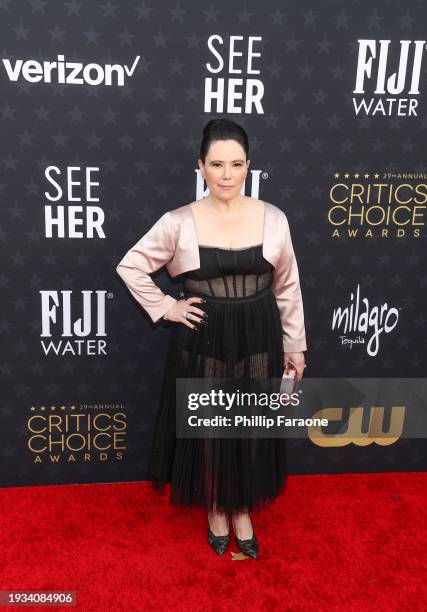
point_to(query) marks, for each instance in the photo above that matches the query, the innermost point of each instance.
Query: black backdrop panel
(101, 110)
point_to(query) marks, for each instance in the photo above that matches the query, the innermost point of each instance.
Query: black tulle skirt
(241, 339)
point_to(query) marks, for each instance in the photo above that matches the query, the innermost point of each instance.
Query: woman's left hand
(295, 361)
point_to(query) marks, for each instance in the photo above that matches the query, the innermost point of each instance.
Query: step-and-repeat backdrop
(102, 108)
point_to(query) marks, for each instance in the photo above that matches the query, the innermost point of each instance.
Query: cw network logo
(73, 73)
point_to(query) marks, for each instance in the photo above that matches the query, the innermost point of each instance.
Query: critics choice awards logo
(365, 205)
(73, 433)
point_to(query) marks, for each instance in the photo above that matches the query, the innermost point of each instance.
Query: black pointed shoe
(218, 543)
(249, 547)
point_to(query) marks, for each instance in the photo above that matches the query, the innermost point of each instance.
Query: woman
(240, 316)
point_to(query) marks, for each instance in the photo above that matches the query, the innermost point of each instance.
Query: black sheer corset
(230, 273)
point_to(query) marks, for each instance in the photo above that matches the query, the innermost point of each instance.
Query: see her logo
(229, 94)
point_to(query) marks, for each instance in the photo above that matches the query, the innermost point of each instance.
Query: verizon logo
(74, 73)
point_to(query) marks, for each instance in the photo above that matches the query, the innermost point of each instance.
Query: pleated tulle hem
(175, 498)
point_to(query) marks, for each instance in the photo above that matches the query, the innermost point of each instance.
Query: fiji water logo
(74, 73)
(361, 323)
(379, 89)
(73, 323)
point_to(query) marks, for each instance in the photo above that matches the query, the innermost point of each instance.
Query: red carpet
(332, 542)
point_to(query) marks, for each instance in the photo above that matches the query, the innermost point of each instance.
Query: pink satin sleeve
(152, 251)
(287, 290)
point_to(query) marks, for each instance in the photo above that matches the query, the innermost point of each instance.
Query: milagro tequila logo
(84, 335)
(70, 73)
(369, 322)
(393, 90)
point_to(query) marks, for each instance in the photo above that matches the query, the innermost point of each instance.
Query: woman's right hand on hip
(182, 307)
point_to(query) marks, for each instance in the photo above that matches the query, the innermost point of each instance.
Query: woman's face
(225, 168)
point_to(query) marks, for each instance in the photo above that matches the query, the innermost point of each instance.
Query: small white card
(288, 381)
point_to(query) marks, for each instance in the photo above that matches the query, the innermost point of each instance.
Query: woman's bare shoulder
(257, 202)
(254, 203)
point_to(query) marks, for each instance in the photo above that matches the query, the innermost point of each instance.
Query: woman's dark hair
(222, 129)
